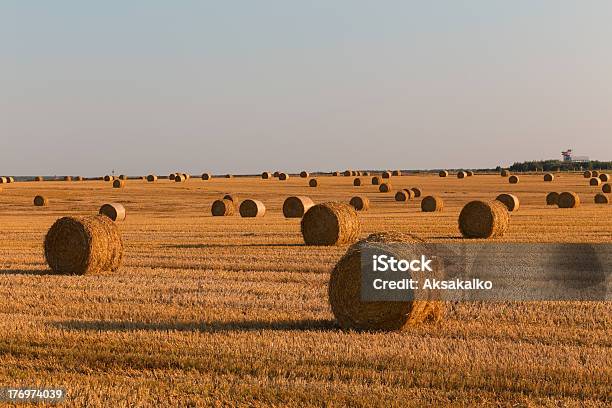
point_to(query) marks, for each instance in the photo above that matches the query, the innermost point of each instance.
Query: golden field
(233, 311)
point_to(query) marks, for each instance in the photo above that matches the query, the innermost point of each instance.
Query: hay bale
(232, 197)
(568, 199)
(357, 182)
(461, 174)
(313, 182)
(403, 195)
(296, 206)
(347, 173)
(396, 173)
(587, 174)
(206, 176)
(67, 178)
(108, 178)
(336, 173)
(252, 208)
(40, 201)
(385, 187)
(594, 173)
(172, 176)
(479, 219)
(266, 175)
(228, 176)
(118, 183)
(331, 223)
(376, 180)
(604, 177)
(469, 173)
(151, 178)
(114, 211)
(510, 201)
(3, 180)
(10, 179)
(344, 291)
(304, 174)
(222, 208)
(504, 173)
(275, 174)
(358, 173)
(79, 178)
(606, 188)
(365, 173)
(180, 178)
(549, 177)
(443, 173)
(283, 176)
(601, 198)
(416, 192)
(432, 204)
(38, 178)
(78, 246)
(513, 179)
(122, 177)
(552, 198)
(187, 176)
(386, 174)
(595, 181)
(360, 203)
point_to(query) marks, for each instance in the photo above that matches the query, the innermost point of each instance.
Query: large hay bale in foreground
(385, 187)
(443, 173)
(549, 177)
(118, 183)
(552, 198)
(266, 175)
(416, 191)
(604, 177)
(77, 246)
(606, 188)
(296, 206)
(331, 223)
(360, 203)
(587, 174)
(283, 176)
(357, 182)
(151, 178)
(479, 219)
(344, 291)
(568, 199)
(595, 181)
(432, 204)
(376, 180)
(313, 182)
(114, 211)
(513, 179)
(601, 198)
(41, 201)
(510, 201)
(222, 208)
(252, 208)
(304, 174)
(206, 176)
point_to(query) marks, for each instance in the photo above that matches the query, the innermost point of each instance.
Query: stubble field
(233, 311)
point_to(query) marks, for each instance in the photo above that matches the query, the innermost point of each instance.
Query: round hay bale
(549, 177)
(118, 183)
(479, 219)
(386, 174)
(122, 177)
(347, 173)
(461, 174)
(504, 173)
(552, 198)
(114, 211)
(283, 176)
(151, 178)
(40, 201)
(443, 173)
(568, 199)
(232, 197)
(266, 175)
(432, 204)
(403, 195)
(187, 176)
(78, 246)
(396, 173)
(376, 180)
(385, 187)
(595, 181)
(510, 201)
(172, 176)
(38, 178)
(331, 223)
(587, 174)
(3, 180)
(229, 176)
(10, 179)
(513, 179)
(336, 173)
(143, 178)
(276, 174)
(601, 198)
(360, 203)
(313, 182)
(416, 191)
(296, 206)
(469, 173)
(606, 188)
(180, 178)
(604, 177)
(358, 173)
(79, 178)
(108, 178)
(67, 178)
(357, 182)
(365, 173)
(344, 290)
(304, 174)
(252, 208)
(222, 208)
(207, 176)
(594, 173)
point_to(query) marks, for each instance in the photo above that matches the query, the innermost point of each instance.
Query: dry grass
(222, 310)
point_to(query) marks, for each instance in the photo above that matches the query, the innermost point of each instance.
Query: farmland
(234, 311)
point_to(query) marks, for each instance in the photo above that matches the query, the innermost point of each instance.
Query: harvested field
(222, 310)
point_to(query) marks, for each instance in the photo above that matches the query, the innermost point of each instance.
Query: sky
(146, 86)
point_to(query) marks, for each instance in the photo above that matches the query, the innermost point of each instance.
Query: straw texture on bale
(595, 181)
(304, 174)
(588, 174)
(180, 178)
(461, 174)
(606, 188)
(432, 204)
(222, 208)
(479, 219)
(360, 203)
(313, 182)
(296, 206)
(252, 208)
(266, 175)
(151, 178)
(568, 199)
(385, 187)
(504, 173)
(78, 246)
(376, 180)
(283, 176)
(601, 198)
(40, 201)
(594, 173)
(276, 173)
(397, 173)
(10, 179)
(510, 201)
(331, 223)
(403, 195)
(443, 173)
(552, 198)
(513, 179)
(416, 191)
(604, 177)
(3, 180)
(549, 177)
(38, 178)
(386, 174)
(344, 290)
(206, 176)
(118, 183)
(357, 182)
(114, 211)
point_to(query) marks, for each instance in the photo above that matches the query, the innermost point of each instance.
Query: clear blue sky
(245, 86)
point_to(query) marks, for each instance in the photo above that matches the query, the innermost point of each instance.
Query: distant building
(568, 156)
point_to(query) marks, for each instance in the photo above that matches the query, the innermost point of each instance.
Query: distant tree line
(558, 165)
